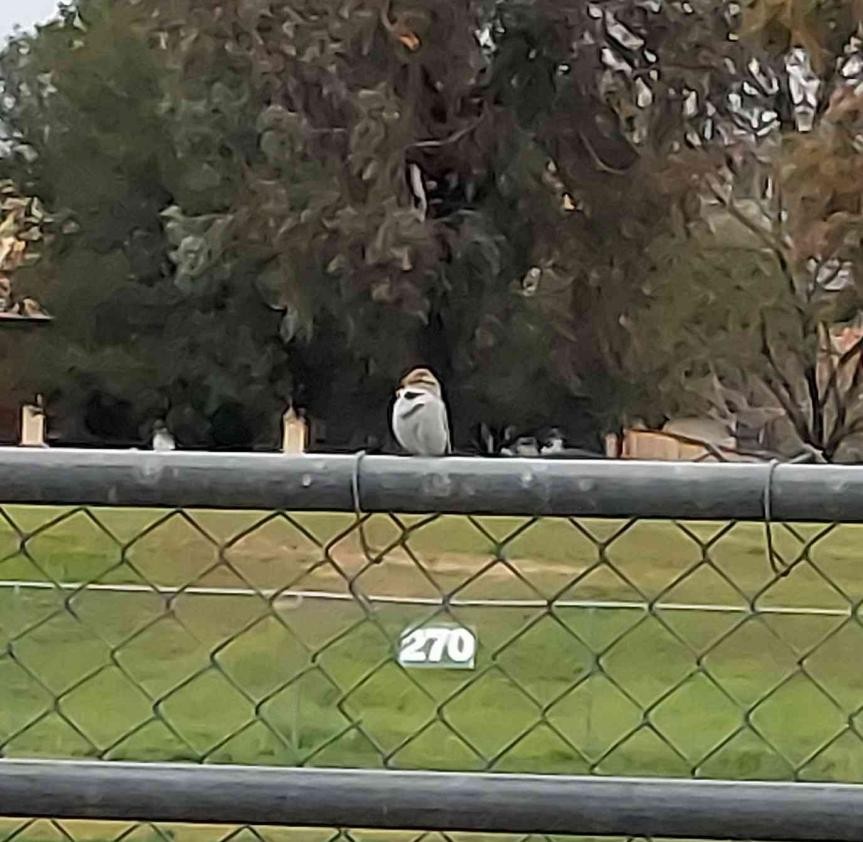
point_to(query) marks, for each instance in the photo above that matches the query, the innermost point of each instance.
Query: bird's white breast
(420, 424)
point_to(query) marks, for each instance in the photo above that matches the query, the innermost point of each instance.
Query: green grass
(603, 690)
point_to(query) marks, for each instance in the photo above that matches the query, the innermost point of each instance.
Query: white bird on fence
(163, 441)
(419, 419)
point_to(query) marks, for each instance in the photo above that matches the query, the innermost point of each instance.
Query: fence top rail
(454, 485)
(432, 801)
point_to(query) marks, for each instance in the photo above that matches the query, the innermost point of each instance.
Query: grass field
(609, 689)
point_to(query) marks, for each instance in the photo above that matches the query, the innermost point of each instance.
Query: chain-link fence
(46, 830)
(590, 643)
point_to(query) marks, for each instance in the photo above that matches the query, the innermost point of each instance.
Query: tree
(482, 179)
(23, 225)
(298, 201)
(236, 189)
(754, 295)
(83, 103)
(389, 204)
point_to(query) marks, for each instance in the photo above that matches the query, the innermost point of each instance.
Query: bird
(162, 439)
(419, 419)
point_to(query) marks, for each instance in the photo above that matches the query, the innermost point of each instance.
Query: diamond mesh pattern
(605, 647)
(68, 831)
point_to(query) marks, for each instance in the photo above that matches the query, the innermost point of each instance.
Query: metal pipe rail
(457, 485)
(428, 801)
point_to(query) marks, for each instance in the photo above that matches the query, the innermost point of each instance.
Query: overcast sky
(25, 13)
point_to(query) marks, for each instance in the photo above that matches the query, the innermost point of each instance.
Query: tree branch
(810, 375)
(774, 245)
(597, 161)
(785, 395)
(841, 430)
(455, 136)
(844, 358)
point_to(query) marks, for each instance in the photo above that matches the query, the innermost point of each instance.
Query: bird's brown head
(421, 380)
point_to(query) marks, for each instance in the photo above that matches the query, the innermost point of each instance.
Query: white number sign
(452, 647)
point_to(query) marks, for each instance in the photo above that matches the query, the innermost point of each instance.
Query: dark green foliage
(267, 201)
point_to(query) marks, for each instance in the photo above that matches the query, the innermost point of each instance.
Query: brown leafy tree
(755, 302)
